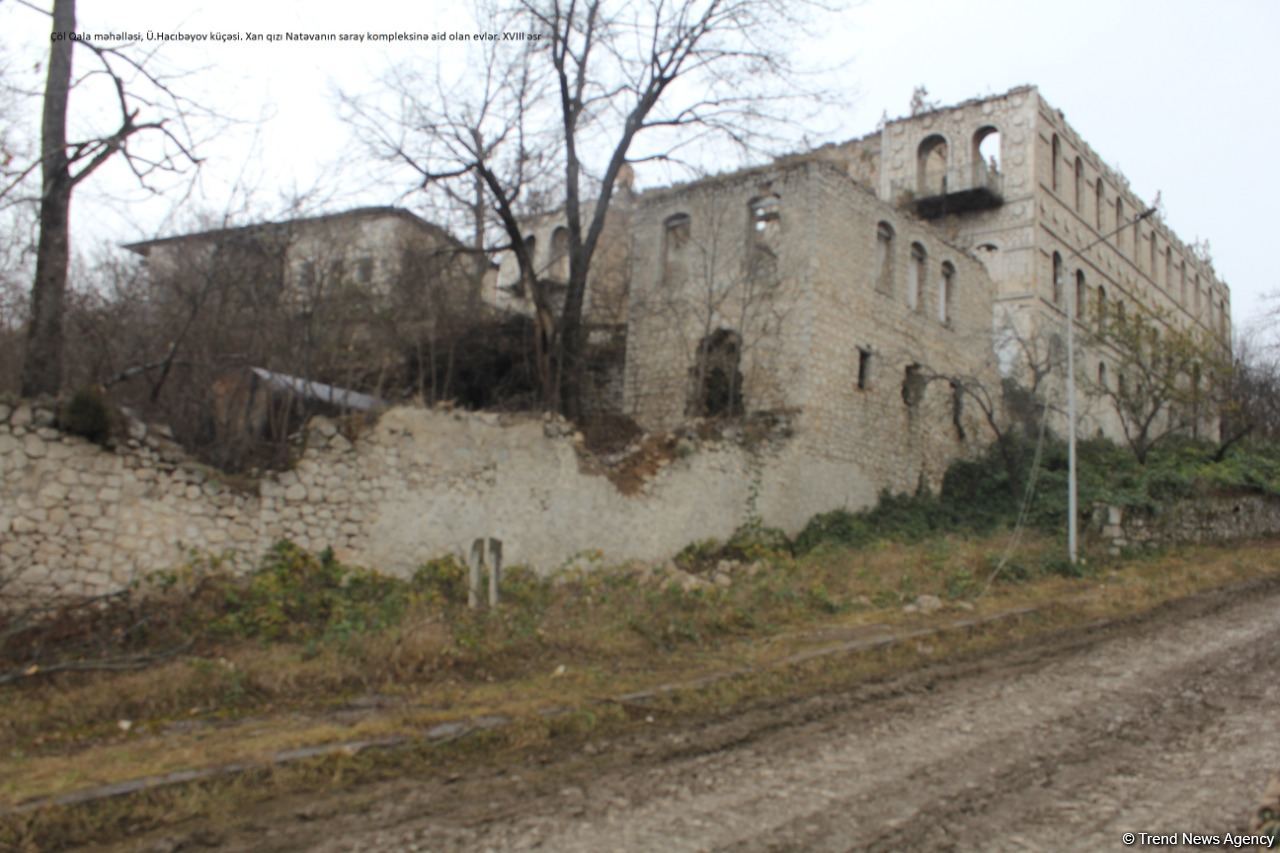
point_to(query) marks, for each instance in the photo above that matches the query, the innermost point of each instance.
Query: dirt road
(1168, 724)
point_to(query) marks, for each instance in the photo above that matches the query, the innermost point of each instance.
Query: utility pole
(1071, 297)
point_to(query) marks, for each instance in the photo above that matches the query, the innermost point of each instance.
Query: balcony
(985, 192)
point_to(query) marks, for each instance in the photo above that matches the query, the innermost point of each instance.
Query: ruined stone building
(846, 282)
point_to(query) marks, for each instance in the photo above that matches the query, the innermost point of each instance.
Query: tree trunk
(42, 366)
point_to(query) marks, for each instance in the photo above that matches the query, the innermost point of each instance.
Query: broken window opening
(1102, 308)
(1102, 375)
(1079, 185)
(1057, 279)
(913, 386)
(364, 269)
(946, 293)
(1082, 296)
(957, 408)
(916, 277)
(558, 265)
(766, 228)
(884, 257)
(1055, 154)
(986, 155)
(717, 376)
(864, 368)
(675, 242)
(931, 166)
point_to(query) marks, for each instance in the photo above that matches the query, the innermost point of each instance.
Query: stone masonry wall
(1206, 518)
(76, 518)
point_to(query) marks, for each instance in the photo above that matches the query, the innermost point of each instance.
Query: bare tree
(598, 85)
(64, 164)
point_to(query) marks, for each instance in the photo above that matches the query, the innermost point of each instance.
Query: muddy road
(1165, 724)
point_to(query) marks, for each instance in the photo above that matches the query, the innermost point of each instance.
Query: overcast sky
(1180, 96)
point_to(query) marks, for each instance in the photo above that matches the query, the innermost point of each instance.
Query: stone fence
(76, 518)
(1206, 518)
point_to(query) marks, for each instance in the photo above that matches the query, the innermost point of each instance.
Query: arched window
(1195, 283)
(1154, 273)
(1182, 289)
(1120, 313)
(1168, 266)
(946, 292)
(1055, 152)
(916, 277)
(986, 155)
(1057, 279)
(716, 389)
(1098, 204)
(1082, 296)
(675, 248)
(558, 266)
(1102, 375)
(1119, 220)
(884, 257)
(1079, 185)
(931, 166)
(1102, 308)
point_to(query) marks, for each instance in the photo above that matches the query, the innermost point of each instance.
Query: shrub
(87, 414)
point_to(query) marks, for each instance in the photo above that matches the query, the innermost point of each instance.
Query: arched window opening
(1182, 289)
(946, 292)
(1102, 375)
(1102, 308)
(1120, 314)
(1195, 284)
(1154, 259)
(1082, 296)
(717, 376)
(675, 248)
(1098, 203)
(1079, 185)
(1057, 279)
(931, 166)
(1168, 266)
(884, 257)
(558, 266)
(864, 368)
(1055, 152)
(916, 277)
(986, 155)
(1119, 220)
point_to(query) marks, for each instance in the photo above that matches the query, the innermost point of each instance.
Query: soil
(1161, 724)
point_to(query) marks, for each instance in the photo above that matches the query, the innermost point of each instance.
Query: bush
(87, 414)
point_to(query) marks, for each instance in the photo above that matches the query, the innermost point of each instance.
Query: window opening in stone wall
(717, 376)
(884, 257)
(916, 277)
(1119, 221)
(864, 368)
(912, 386)
(1055, 153)
(1154, 258)
(1195, 283)
(986, 155)
(1182, 289)
(364, 269)
(766, 229)
(931, 166)
(676, 232)
(1079, 185)
(1057, 279)
(1120, 314)
(1098, 203)
(957, 408)
(946, 292)
(1082, 296)
(1102, 376)
(1102, 308)
(558, 265)
(1168, 266)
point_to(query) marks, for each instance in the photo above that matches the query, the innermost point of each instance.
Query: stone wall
(77, 518)
(1206, 518)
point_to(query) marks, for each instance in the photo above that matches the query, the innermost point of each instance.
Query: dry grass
(569, 645)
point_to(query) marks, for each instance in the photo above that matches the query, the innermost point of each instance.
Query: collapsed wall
(76, 518)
